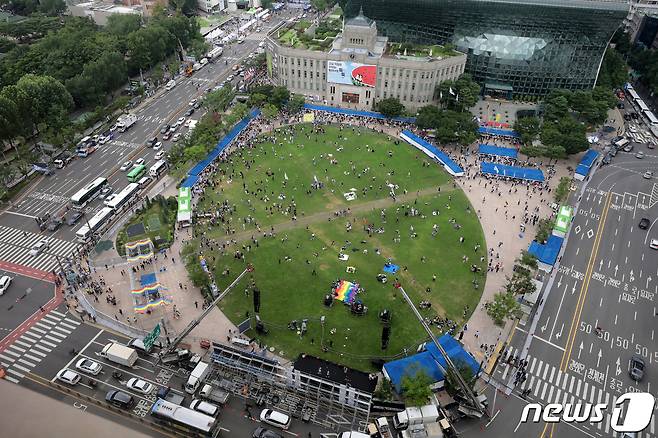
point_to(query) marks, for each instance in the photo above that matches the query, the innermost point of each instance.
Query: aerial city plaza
(376, 218)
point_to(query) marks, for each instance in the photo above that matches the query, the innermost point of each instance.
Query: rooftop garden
(410, 50)
(303, 36)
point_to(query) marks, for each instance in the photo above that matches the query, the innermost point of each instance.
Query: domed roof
(360, 20)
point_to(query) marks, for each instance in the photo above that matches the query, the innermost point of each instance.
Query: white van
(353, 434)
(204, 407)
(170, 85)
(144, 181)
(197, 376)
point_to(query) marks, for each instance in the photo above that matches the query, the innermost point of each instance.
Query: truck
(218, 395)
(198, 374)
(125, 122)
(415, 415)
(175, 356)
(171, 396)
(120, 354)
(214, 53)
(383, 428)
(430, 430)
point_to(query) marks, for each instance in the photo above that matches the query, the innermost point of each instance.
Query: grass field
(295, 270)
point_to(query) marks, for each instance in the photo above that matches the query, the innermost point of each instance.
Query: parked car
(139, 385)
(628, 148)
(180, 121)
(261, 432)
(39, 247)
(68, 376)
(109, 199)
(189, 112)
(157, 146)
(636, 369)
(74, 218)
(105, 192)
(89, 366)
(647, 175)
(275, 418)
(639, 155)
(159, 155)
(54, 225)
(653, 244)
(165, 129)
(152, 142)
(204, 407)
(177, 137)
(5, 281)
(119, 399)
(125, 166)
(139, 162)
(197, 105)
(167, 136)
(192, 102)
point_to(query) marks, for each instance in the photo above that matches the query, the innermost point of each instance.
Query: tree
(49, 101)
(270, 111)
(52, 7)
(614, 71)
(528, 259)
(320, 5)
(459, 95)
(123, 24)
(279, 96)
(218, 101)
(528, 127)
(544, 229)
(296, 103)
(428, 117)
(198, 48)
(390, 107)
(562, 190)
(416, 386)
(520, 283)
(257, 100)
(503, 307)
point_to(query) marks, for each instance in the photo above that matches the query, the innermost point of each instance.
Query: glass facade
(514, 48)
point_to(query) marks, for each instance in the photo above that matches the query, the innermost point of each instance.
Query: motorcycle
(117, 375)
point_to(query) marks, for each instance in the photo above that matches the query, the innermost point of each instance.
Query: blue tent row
(349, 112)
(193, 174)
(430, 361)
(586, 163)
(526, 173)
(433, 152)
(547, 253)
(498, 132)
(488, 149)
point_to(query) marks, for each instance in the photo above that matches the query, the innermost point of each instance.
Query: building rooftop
(419, 52)
(305, 35)
(360, 20)
(333, 372)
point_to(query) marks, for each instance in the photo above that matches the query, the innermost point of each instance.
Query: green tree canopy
(390, 107)
(270, 111)
(459, 95)
(503, 307)
(279, 96)
(217, 101)
(416, 387)
(528, 128)
(296, 103)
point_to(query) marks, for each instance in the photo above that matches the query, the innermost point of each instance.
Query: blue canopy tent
(498, 151)
(483, 130)
(505, 171)
(357, 113)
(433, 152)
(547, 253)
(585, 164)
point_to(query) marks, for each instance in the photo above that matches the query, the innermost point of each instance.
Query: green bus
(136, 173)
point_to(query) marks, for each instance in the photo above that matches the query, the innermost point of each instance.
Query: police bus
(88, 193)
(187, 421)
(158, 168)
(123, 196)
(94, 224)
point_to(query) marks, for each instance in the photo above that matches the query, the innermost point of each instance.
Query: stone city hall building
(347, 64)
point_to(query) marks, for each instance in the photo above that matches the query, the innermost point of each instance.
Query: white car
(5, 281)
(653, 244)
(109, 199)
(192, 102)
(125, 166)
(160, 155)
(647, 175)
(188, 123)
(180, 121)
(177, 137)
(275, 418)
(89, 366)
(139, 162)
(170, 85)
(139, 385)
(38, 247)
(102, 139)
(157, 146)
(68, 376)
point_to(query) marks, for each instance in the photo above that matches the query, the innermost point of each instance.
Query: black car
(54, 225)
(152, 141)
(73, 219)
(197, 105)
(189, 112)
(119, 399)
(644, 223)
(165, 129)
(636, 368)
(261, 432)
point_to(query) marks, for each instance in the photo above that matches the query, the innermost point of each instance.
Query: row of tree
(505, 303)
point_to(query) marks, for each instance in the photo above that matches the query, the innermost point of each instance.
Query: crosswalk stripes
(654, 195)
(32, 347)
(15, 248)
(548, 384)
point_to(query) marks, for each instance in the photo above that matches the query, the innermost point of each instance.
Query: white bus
(633, 94)
(94, 224)
(621, 143)
(643, 106)
(88, 192)
(158, 168)
(195, 422)
(651, 118)
(215, 53)
(123, 196)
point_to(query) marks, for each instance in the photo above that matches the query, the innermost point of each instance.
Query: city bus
(136, 173)
(643, 106)
(158, 168)
(184, 419)
(123, 196)
(94, 224)
(88, 192)
(651, 118)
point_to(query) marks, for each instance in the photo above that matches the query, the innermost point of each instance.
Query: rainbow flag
(151, 304)
(148, 288)
(133, 245)
(140, 257)
(346, 291)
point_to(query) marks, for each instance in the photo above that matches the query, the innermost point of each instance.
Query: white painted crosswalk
(550, 385)
(35, 344)
(15, 247)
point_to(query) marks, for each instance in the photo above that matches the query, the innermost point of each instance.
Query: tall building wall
(526, 48)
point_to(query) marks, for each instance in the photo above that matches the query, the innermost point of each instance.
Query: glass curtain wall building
(514, 48)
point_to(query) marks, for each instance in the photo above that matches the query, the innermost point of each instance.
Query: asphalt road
(608, 278)
(24, 296)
